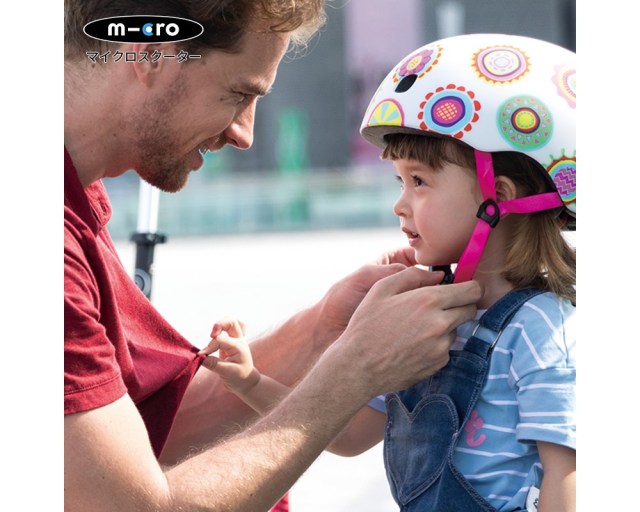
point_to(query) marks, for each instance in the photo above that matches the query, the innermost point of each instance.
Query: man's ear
(149, 62)
(505, 189)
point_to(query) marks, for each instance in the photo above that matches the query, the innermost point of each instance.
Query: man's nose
(240, 131)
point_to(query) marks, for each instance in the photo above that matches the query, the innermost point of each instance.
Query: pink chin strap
(490, 213)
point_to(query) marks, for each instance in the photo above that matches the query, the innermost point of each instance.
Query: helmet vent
(406, 83)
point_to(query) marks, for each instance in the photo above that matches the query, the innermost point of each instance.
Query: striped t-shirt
(529, 396)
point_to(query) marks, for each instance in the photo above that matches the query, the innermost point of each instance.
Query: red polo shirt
(115, 341)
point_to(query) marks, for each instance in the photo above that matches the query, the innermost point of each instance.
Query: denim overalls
(424, 422)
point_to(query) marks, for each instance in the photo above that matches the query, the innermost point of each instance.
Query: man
(147, 425)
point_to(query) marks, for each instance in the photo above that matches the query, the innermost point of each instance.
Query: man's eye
(241, 98)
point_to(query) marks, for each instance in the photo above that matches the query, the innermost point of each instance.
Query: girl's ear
(505, 189)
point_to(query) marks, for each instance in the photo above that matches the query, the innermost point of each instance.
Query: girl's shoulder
(544, 326)
(546, 308)
(542, 318)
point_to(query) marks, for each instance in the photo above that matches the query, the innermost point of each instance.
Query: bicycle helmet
(494, 92)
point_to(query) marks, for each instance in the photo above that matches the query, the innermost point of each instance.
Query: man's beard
(162, 167)
(159, 160)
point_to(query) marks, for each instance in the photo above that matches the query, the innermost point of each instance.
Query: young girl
(481, 131)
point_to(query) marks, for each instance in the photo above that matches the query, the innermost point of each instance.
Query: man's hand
(345, 296)
(402, 331)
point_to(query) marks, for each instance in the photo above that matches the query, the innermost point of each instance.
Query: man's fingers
(448, 296)
(453, 317)
(461, 294)
(405, 255)
(372, 273)
(457, 302)
(408, 279)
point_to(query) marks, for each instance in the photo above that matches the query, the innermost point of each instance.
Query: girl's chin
(431, 260)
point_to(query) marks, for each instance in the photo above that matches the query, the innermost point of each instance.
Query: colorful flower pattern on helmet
(497, 64)
(563, 174)
(449, 110)
(525, 122)
(565, 80)
(418, 63)
(387, 113)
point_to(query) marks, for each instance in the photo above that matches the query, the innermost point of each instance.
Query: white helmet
(494, 92)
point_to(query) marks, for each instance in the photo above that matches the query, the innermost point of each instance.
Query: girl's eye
(417, 181)
(399, 180)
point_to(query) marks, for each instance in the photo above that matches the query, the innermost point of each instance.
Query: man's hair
(224, 21)
(538, 255)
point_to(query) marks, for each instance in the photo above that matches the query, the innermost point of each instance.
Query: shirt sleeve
(92, 377)
(543, 371)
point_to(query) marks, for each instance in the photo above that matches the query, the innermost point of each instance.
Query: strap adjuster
(489, 212)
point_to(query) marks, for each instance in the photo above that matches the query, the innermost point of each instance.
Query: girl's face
(437, 209)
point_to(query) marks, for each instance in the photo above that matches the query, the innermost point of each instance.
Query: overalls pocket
(416, 457)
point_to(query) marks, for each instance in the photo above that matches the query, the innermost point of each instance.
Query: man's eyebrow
(254, 89)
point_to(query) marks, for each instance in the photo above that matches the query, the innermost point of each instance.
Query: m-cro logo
(143, 29)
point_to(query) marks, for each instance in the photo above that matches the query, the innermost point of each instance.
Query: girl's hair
(224, 21)
(538, 254)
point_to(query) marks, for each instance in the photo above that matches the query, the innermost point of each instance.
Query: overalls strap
(498, 316)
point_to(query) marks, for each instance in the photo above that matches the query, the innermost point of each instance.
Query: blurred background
(263, 233)
(309, 168)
